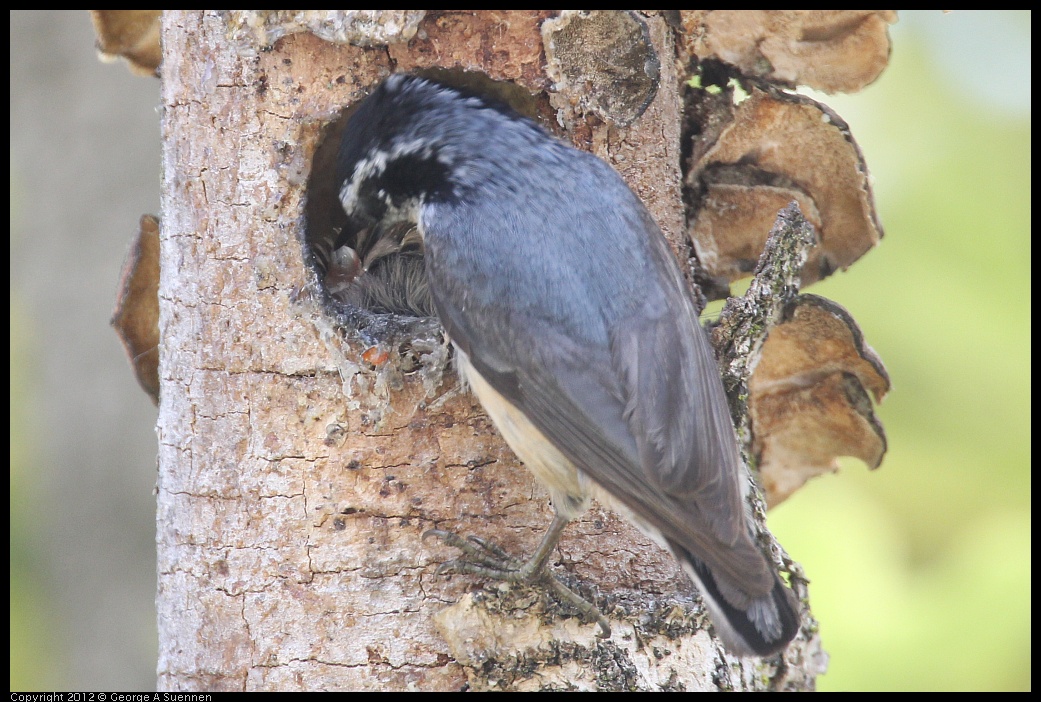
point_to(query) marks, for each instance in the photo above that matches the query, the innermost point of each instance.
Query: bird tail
(758, 626)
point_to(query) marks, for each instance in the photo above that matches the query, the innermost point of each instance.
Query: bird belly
(567, 486)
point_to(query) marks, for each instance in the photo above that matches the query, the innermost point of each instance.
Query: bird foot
(487, 559)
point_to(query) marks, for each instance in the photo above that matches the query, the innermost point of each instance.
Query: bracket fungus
(810, 397)
(752, 147)
(132, 35)
(775, 148)
(829, 50)
(136, 317)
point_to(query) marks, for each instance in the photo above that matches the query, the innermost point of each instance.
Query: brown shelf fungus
(829, 50)
(810, 397)
(132, 35)
(136, 317)
(774, 148)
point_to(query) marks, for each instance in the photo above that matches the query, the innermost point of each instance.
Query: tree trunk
(296, 477)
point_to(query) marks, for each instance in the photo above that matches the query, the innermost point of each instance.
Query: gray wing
(643, 413)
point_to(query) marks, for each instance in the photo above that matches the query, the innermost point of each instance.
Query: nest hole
(372, 281)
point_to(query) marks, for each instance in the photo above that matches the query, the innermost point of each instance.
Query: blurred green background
(920, 570)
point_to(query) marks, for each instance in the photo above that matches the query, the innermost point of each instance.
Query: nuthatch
(573, 324)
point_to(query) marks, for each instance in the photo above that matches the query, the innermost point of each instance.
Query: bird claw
(487, 559)
(482, 558)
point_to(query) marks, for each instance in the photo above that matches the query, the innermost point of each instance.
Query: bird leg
(486, 559)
